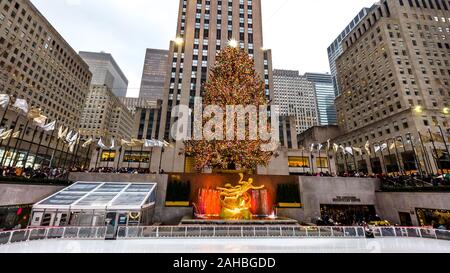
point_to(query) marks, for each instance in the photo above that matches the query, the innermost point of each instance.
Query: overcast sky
(298, 31)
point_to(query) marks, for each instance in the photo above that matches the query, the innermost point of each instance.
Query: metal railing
(67, 233)
(218, 232)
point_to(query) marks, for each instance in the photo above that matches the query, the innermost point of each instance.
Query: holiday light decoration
(233, 81)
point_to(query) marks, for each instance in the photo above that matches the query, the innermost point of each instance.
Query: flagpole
(61, 154)
(399, 160)
(18, 143)
(320, 161)
(303, 157)
(67, 156)
(329, 162)
(131, 155)
(435, 152)
(54, 151)
(4, 158)
(140, 157)
(4, 114)
(118, 158)
(383, 161)
(445, 142)
(25, 160)
(426, 159)
(150, 162)
(75, 157)
(416, 158)
(354, 160)
(88, 163)
(100, 151)
(370, 159)
(37, 151)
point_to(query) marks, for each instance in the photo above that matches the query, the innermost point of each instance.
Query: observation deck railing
(217, 232)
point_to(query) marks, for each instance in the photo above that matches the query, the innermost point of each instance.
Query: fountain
(242, 202)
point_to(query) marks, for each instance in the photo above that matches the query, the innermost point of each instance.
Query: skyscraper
(154, 74)
(325, 95)
(204, 28)
(295, 95)
(335, 49)
(104, 115)
(106, 72)
(394, 77)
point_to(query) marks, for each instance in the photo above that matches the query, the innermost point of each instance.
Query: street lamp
(179, 41)
(233, 43)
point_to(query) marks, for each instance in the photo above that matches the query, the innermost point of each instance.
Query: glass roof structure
(101, 196)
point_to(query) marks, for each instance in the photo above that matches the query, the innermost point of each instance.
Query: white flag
(40, 121)
(367, 147)
(328, 144)
(62, 133)
(4, 100)
(100, 144)
(16, 134)
(49, 127)
(312, 147)
(358, 150)
(22, 105)
(320, 147)
(384, 146)
(335, 147)
(88, 142)
(349, 150)
(377, 148)
(69, 136)
(113, 144)
(6, 135)
(150, 143)
(74, 138)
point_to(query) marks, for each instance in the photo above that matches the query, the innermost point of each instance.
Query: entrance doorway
(405, 219)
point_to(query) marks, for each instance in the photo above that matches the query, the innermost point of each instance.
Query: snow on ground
(307, 245)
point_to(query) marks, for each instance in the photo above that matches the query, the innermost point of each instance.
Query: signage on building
(346, 199)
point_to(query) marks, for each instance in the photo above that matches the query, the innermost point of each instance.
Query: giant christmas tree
(233, 81)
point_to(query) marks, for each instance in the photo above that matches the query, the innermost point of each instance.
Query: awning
(101, 196)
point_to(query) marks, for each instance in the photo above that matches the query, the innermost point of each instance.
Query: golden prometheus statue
(237, 201)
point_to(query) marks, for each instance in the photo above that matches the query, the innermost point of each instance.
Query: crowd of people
(123, 170)
(30, 173)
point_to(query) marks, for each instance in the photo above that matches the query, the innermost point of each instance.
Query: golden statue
(236, 201)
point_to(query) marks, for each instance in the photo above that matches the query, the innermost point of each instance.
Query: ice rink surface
(307, 245)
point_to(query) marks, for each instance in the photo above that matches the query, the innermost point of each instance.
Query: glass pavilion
(97, 204)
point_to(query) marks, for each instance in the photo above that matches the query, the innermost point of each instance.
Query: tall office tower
(325, 96)
(204, 28)
(154, 74)
(106, 72)
(38, 65)
(104, 115)
(335, 49)
(394, 77)
(296, 97)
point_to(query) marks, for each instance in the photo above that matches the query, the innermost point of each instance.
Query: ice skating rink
(307, 245)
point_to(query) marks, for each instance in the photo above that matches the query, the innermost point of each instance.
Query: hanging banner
(49, 127)
(21, 104)
(4, 100)
(62, 133)
(6, 135)
(87, 142)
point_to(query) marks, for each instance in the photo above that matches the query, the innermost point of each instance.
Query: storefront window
(298, 162)
(109, 156)
(322, 162)
(136, 157)
(434, 217)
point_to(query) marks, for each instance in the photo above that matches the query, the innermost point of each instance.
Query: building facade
(325, 96)
(105, 71)
(335, 49)
(154, 74)
(394, 77)
(38, 65)
(104, 115)
(296, 96)
(204, 28)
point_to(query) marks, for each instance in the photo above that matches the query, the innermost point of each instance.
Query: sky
(298, 31)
